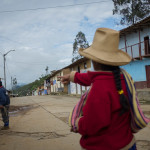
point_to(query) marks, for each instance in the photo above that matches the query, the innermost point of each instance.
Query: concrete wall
(58, 85)
(55, 85)
(143, 95)
(72, 88)
(45, 88)
(137, 69)
(66, 71)
(76, 88)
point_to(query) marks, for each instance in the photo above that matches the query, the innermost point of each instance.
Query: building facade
(135, 40)
(82, 65)
(55, 83)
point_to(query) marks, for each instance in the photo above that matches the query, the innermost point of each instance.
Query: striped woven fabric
(77, 111)
(138, 120)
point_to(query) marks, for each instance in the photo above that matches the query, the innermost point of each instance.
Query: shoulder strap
(138, 120)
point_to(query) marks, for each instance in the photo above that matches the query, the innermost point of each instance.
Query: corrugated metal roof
(76, 62)
(69, 66)
(136, 26)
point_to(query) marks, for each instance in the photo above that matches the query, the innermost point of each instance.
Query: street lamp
(4, 56)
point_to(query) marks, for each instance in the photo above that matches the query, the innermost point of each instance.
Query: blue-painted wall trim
(137, 69)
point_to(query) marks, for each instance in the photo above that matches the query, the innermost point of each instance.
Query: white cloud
(45, 37)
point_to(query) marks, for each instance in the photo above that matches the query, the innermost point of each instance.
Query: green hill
(27, 89)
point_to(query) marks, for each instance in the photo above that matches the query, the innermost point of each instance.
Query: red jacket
(101, 127)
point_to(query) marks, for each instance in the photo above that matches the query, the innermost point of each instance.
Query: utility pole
(1, 79)
(12, 84)
(4, 56)
(4, 70)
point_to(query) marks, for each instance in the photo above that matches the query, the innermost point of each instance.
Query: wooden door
(148, 75)
(146, 45)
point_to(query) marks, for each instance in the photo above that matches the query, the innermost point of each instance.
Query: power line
(4, 37)
(34, 9)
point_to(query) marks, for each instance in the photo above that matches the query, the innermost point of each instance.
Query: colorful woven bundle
(77, 111)
(138, 120)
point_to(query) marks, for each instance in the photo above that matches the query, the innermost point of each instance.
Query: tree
(46, 69)
(79, 42)
(131, 10)
(14, 81)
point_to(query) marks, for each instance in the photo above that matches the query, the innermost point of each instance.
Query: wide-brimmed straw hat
(104, 48)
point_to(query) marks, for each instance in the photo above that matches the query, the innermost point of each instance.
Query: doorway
(146, 45)
(148, 75)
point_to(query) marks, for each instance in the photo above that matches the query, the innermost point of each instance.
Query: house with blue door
(135, 40)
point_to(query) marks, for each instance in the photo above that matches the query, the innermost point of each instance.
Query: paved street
(40, 123)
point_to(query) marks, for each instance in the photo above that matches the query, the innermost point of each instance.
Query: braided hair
(123, 98)
(116, 72)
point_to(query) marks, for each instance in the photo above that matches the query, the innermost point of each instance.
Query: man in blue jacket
(4, 106)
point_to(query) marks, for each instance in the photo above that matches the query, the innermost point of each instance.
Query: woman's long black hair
(116, 71)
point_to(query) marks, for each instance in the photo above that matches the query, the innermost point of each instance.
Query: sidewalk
(144, 94)
(143, 137)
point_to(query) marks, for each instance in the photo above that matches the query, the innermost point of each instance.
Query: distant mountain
(21, 84)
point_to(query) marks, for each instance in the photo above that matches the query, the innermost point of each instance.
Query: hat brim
(115, 58)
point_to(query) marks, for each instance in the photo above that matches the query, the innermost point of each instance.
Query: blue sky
(45, 37)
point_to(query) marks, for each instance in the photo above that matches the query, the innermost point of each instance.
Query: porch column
(125, 43)
(140, 46)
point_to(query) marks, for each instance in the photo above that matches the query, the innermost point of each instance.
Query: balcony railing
(139, 50)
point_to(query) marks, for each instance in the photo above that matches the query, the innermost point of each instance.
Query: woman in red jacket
(105, 124)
